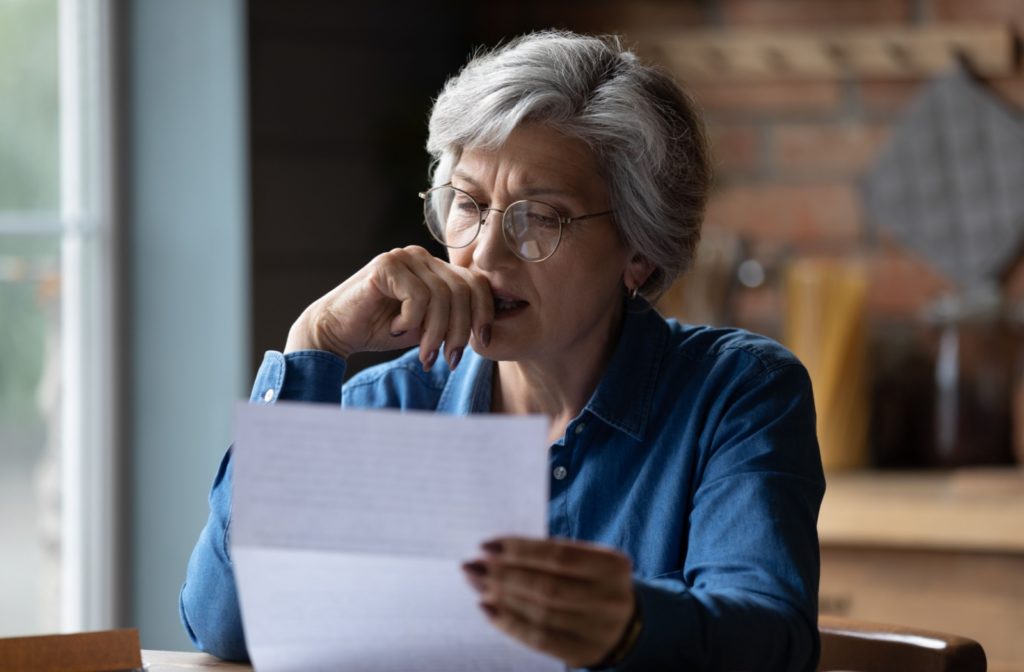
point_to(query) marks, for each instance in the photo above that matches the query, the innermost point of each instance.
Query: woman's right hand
(401, 298)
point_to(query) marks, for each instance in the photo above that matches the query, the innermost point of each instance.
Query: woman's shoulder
(727, 346)
(398, 383)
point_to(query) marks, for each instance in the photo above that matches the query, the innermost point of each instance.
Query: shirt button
(579, 428)
(560, 473)
(268, 395)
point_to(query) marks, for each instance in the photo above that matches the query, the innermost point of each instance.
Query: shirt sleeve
(746, 597)
(208, 602)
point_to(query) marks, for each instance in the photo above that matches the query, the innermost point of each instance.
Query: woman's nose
(490, 250)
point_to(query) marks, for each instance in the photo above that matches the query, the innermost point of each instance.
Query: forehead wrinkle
(526, 183)
(534, 160)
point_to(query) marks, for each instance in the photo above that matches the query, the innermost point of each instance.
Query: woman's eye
(464, 201)
(544, 221)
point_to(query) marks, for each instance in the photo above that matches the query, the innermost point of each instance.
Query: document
(349, 528)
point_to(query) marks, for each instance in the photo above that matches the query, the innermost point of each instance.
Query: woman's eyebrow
(465, 178)
(526, 192)
(530, 192)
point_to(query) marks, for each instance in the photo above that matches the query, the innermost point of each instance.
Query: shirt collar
(468, 389)
(623, 397)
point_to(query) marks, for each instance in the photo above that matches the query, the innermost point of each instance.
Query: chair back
(859, 646)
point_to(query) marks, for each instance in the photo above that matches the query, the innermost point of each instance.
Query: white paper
(349, 527)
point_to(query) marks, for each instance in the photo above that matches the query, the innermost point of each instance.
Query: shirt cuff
(659, 609)
(304, 375)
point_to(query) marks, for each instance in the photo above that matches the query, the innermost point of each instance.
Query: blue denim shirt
(696, 456)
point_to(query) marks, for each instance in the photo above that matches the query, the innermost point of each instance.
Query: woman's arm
(402, 298)
(746, 597)
(208, 604)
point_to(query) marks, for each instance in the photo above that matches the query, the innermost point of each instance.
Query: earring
(635, 292)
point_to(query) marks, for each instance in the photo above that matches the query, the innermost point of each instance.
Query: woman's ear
(638, 271)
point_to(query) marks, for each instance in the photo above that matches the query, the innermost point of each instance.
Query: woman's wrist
(303, 336)
(626, 643)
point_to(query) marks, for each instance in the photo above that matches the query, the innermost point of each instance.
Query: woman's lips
(507, 305)
(505, 311)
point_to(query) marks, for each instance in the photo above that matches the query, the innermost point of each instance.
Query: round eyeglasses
(531, 229)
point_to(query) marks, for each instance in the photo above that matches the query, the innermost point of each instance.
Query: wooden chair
(848, 644)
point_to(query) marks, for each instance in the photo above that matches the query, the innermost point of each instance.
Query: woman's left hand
(567, 598)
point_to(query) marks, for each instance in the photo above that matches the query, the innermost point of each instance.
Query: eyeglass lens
(531, 229)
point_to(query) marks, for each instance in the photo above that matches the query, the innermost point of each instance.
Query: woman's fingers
(568, 598)
(559, 643)
(482, 303)
(565, 557)
(578, 637)
(460, 310)
(437, 314)
(449, 316)
(552, 590)
(401, 298)
(397, 281)
(439, 302)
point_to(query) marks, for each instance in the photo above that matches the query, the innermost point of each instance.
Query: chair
(848, 644)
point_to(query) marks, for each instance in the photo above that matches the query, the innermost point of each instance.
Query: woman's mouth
(507, 306)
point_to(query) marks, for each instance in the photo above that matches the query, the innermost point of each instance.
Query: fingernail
(431, 358)
(485, 335)
(396, 334)
(495, 547)
(489, 609)
(479, 584)
(454, 357)
(475, 568)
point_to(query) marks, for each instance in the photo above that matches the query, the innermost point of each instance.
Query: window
(58, 483)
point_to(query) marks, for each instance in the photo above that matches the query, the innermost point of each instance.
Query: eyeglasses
(531, 229)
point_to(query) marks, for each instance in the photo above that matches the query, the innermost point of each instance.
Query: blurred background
(178, 180)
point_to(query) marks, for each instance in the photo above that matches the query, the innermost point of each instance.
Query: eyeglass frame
(562, 221)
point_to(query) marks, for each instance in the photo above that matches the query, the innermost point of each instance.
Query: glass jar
(973, 354)
(1017, 383)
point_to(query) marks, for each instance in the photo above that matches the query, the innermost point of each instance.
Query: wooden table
(937, 550)
(175, 661)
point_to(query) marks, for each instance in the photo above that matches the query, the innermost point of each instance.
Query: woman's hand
(401, 298)
(570, 599)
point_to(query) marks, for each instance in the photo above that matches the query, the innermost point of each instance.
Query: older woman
(569, 182)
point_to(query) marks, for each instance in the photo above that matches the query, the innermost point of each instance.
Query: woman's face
(548, 310)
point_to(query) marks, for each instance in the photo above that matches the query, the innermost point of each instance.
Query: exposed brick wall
(789, 154)
(837, 149)
(811, 13)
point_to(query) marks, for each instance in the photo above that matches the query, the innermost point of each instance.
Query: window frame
(91, 485)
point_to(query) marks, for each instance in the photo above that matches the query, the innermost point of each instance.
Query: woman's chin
(499, 350)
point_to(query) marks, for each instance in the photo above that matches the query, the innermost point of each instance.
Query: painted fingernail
(479, 584)
(495, 547)
(489, 609)
(454, 357)
(485, 335)
(429, 362)
(475, 568)
(396, 334)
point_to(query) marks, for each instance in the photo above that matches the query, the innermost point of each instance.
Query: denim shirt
(696, 456)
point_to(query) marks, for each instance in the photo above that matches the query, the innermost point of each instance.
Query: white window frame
(91, 562)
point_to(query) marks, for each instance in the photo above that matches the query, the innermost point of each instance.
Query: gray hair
(644, 130)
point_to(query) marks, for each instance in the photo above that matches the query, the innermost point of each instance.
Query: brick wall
(788, 154)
